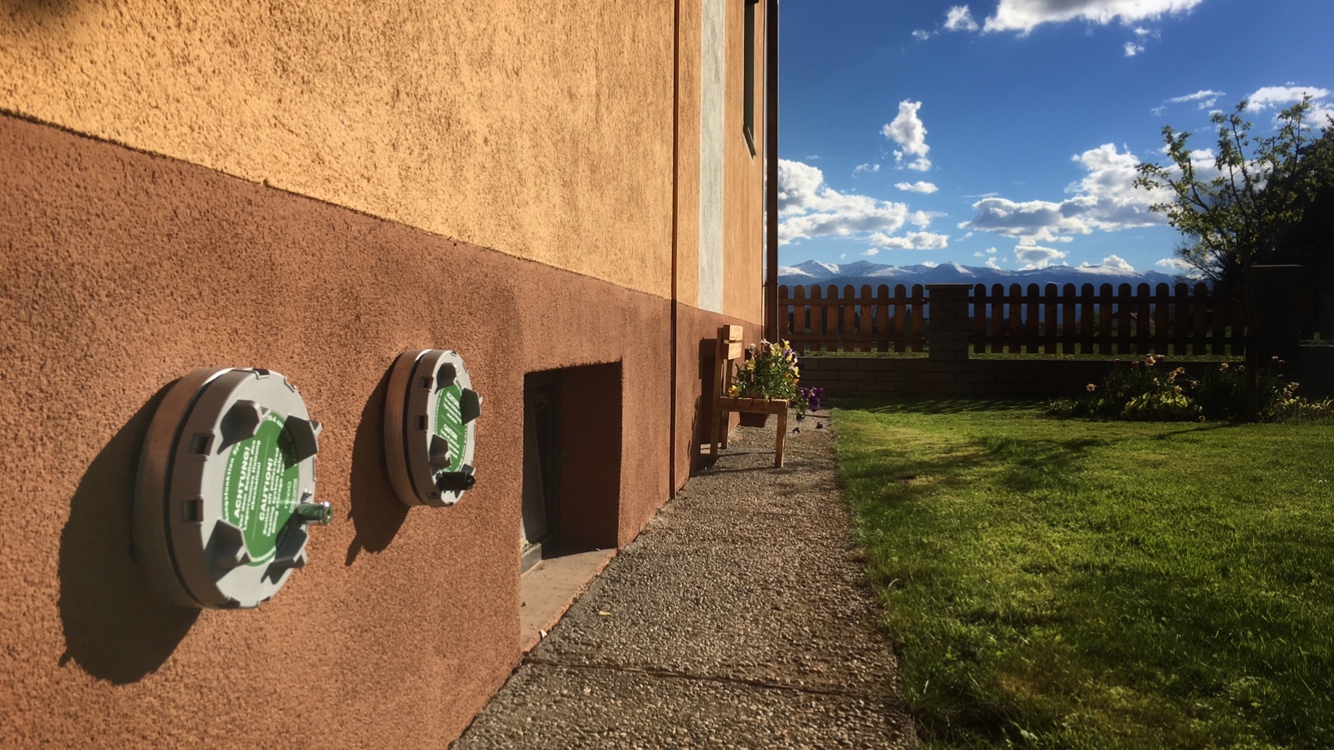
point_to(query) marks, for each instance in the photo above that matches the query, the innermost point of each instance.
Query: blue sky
(1005, 132)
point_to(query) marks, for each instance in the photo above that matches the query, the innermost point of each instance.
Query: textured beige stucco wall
(743, 194)
(540, 129)
(687, 168)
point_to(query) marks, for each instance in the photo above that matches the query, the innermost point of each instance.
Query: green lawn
(1072, 584)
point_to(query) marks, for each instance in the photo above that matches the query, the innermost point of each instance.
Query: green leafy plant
(1143, 390)
(770, 370)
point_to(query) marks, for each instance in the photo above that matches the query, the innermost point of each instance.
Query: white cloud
(1035, 220)
(1180, 267)
(1105, 199)
(917, 187)
(960, 18)
(1322, 109)
(923, 219)
(1025, 15)
(1133, 49)
(912, 241)
(930, 264)
(871, 252)
(810, 208)
(1113, 262)
(909, 133)
(1206, 98)
(1033, 257)
(1271, 96)
(921, 35)
(992, 263)
(865, 168)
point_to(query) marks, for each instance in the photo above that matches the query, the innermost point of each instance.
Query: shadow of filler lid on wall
(226, 489)
(430, 427)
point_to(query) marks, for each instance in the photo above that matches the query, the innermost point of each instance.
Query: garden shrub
(1142, 390)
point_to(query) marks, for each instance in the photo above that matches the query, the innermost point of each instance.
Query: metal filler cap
(226, 489)
(430, 427)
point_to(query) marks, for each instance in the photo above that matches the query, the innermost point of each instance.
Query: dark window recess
(571, 461)
(541, 459)
(748, 85)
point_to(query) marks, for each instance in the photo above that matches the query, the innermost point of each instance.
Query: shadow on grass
(1134, 622)
(1026, 465)
(960, 405)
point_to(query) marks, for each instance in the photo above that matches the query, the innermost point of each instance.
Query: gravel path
(740, 618)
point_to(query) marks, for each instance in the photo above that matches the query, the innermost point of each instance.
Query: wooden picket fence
(1180, 320)
(1177, 320)
(860, 320)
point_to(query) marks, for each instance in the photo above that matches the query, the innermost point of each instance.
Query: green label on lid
(260, 489)
(449, 424)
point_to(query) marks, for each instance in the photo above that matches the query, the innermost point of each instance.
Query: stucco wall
(121, 271)
(313, 190)
(542, 130)
(743, 254)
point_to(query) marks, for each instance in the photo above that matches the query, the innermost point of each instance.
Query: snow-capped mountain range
(865, 272)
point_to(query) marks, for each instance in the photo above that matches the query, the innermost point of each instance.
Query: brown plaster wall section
(121, 271)
(519, 128)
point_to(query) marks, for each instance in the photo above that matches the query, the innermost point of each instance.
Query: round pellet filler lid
(226, 488)
(430, 427)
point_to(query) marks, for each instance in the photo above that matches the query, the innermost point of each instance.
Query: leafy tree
(1252, 204)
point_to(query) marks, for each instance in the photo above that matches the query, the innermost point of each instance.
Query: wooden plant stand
(730, 349)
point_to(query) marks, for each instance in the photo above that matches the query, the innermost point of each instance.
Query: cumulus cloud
(917, 187)
(909, 133)
(922, 35)
(1282, 96)
(1025, 15)
(1133, 49)
(1036, 220)
(865, 168)
(992, 263)
(1112, 262)
(1180, 267)
(871, 252)
(1104, 199)
(809, 208)
(1033, 256)
(960, 18)
(911, 241)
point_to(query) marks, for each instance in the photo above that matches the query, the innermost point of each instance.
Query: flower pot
(749, 419)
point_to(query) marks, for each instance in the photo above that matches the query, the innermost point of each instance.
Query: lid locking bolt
(312, 512)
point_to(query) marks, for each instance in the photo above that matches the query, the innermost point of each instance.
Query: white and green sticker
(449, 424)
(261, 489)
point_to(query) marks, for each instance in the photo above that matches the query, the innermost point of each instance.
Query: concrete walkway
(740, 618)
